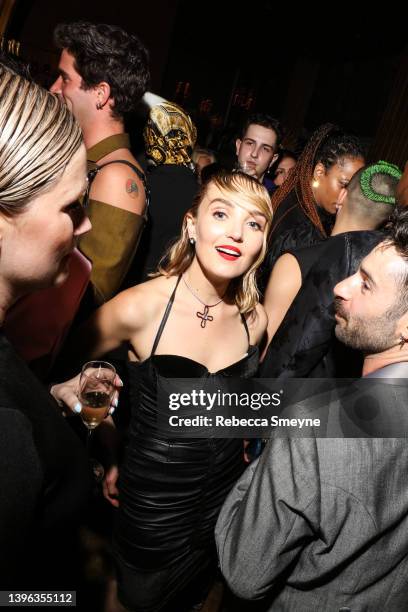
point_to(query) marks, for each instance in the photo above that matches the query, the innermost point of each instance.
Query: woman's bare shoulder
(143, 301)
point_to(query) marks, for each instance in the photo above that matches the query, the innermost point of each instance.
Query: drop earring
(192, 241)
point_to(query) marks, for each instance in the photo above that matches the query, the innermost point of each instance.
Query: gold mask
(169, 135)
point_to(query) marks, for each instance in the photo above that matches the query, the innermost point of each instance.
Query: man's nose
(84, 226)
(344, 288)
(254, 151)
(56, 86)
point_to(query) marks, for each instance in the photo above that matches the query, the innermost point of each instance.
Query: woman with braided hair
(305, 205)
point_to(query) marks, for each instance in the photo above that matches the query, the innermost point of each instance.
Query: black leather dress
(171, 491)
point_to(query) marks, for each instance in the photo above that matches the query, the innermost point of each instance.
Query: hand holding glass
(96, 390)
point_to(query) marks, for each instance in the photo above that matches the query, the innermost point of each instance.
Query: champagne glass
(96, 389)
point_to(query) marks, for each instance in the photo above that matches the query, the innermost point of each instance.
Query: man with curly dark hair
(103, 73)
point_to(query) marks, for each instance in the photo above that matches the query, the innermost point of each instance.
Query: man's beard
(370, 335)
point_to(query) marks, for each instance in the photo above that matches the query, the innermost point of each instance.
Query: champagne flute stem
(88, 440)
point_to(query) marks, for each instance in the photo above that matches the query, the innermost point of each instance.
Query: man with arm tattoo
(103, 73)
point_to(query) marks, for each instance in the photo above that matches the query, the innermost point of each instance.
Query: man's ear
(402, 327)
(238, 144)
(103, 93)
(273, 160)
(319, 171)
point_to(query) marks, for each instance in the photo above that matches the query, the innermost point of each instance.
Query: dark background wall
(220, 61)
(33, 22)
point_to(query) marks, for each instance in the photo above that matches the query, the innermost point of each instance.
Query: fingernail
(120, 382)
(77, 408)
(115, 402)
(111, 410)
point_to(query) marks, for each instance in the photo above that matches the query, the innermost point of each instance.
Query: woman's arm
(113, 323)
(283, 285)
(257, 321)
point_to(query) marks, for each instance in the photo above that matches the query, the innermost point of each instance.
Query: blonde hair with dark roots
(243, 290)
(38, 137)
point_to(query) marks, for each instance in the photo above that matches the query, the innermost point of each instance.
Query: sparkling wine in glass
(96, 389)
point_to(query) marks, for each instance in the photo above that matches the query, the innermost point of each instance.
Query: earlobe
(403, 334)
(190, 226)
(342, 196)
(319, 171)
(238, 143)
(103, 92)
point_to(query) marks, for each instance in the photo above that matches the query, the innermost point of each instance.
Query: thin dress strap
(246, 328)
(165, 317)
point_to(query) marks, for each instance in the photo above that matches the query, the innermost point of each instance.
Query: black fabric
(307, 257)
(172, 191)
(45, 481)
(171, 491)
(292, 229)
(304, 344)
(164, 318)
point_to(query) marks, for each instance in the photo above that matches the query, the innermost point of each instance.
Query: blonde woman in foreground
(44, 472)
(198, 318)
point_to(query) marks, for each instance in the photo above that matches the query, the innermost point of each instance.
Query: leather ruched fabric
(171, 491)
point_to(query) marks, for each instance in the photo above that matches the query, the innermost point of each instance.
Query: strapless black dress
(171, 491)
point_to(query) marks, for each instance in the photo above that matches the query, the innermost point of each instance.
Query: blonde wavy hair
(243, 290)
(38, 137)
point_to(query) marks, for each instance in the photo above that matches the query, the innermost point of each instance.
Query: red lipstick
(228, 252)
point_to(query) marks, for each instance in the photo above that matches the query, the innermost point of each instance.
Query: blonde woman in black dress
(199, 317)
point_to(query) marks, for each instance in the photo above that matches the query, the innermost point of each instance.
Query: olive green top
(115, 234)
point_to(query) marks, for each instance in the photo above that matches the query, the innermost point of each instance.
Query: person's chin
(63, 272)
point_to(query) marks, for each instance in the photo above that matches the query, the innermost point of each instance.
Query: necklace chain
(199, 299)
(204, 316)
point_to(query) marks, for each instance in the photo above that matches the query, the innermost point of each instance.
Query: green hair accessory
(366, 180)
